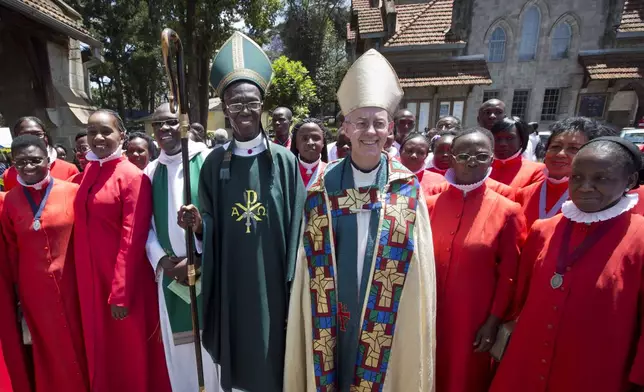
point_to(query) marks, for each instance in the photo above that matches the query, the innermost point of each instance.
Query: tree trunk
(118, 85)
(192, 56)
(204, 96)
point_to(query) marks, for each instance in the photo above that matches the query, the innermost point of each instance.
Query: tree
(333, 67)
(291, 87)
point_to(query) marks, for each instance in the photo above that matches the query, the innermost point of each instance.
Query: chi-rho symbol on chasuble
(250, 211)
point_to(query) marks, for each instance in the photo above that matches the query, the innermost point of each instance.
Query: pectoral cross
(343, 316)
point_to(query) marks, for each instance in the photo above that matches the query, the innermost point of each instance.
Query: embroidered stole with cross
(349, 353)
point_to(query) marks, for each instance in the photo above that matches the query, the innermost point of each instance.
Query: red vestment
(438, 187)
(587, 335)
(13, 372)
(477, 242)
(113, 210)
(529, 198)
(518, 172)
(306, 178)
(639, 208)
(77, 178)
(59, 169)
(437, 171)
(286, 145)
(43, 265)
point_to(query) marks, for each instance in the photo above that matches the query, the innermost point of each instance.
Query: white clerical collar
(37, 186)
(504, 161)
(90, 156)
(554, 180)
(194, 149)
(362, 179)
(309, 166)
(626, 203)
(249, 148)
(465, 188)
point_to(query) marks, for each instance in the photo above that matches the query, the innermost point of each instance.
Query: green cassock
(252, 224)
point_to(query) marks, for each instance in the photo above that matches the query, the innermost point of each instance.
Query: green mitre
(240, 58)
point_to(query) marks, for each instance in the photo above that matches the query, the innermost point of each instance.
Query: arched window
(561, 41)
(497, 46)
(530, 34)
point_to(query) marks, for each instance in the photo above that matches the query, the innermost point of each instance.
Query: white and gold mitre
(370, 82)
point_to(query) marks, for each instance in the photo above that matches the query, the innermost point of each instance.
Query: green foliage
(291, 87)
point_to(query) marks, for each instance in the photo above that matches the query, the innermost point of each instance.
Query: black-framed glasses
(480, 158)
(171, 122)
(83, 148)
(21, 163)
(238, 107)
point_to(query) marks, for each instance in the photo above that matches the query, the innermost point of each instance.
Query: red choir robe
(477, 242)
(529, 198)
(639, 208)
(286, 145)
(77, 178)
(437, 171)
(438, 187)
(309, 179)
(13, 372)
(59, 169)
(587, 335)
(113, 214)
(44, 271)
(518, 172)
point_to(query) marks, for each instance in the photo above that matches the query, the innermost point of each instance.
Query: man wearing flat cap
(363, 305)
(251, 200)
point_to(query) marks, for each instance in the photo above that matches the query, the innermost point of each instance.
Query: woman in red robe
(38, 222)
(414, 150)
(58, 168)
(308, 146)
(581, 285)
(511, 137)
(477, 236)
(442, 151)
(544, 198)
(116, 283)
(13, 372)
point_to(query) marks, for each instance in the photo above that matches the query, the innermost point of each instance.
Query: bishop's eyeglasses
(238, 107)
(480, 158)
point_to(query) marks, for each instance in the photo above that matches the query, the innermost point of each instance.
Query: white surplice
(180, 359)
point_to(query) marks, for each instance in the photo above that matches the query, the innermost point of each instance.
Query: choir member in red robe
(581, 284)
(116, 284)
(413, 153)
(140, 149)
(544, 198)
(442, 151)
(308, 146)
(13, 372)
(511, 137)
(58, 168)
(477, 236)
(38, 222)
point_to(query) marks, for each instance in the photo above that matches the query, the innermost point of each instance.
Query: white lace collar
(309, 166)
(627, 203)
(90, 156)
(193, 150)
(504, 161)
(249, 148)
(37, 186)
(465, 188)
(554, 180)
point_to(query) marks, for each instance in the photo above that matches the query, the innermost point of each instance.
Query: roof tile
(632, 16)
(445, 73)
(614, 66)
(360, 4)
(370, 21)
(50, 8)
(351, 34)
(422, 23)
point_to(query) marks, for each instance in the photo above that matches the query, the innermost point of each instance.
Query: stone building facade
(546, 59)
(44, 67)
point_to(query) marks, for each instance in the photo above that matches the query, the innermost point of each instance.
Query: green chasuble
(179, 313)
(252, 225)
(377, 334)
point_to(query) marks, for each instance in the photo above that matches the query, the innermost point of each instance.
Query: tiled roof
(423, 23)
(351, 35)
(632, 16)
(626, 65)
(52, 9)
(370, 21)
(445, 73)
(360, 4)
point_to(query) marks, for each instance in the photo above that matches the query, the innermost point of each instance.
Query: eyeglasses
(465, 158)
(556, 149)
(238, 107)
(21, 163)
(363, 125)
(84, 148)
(172, 122)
